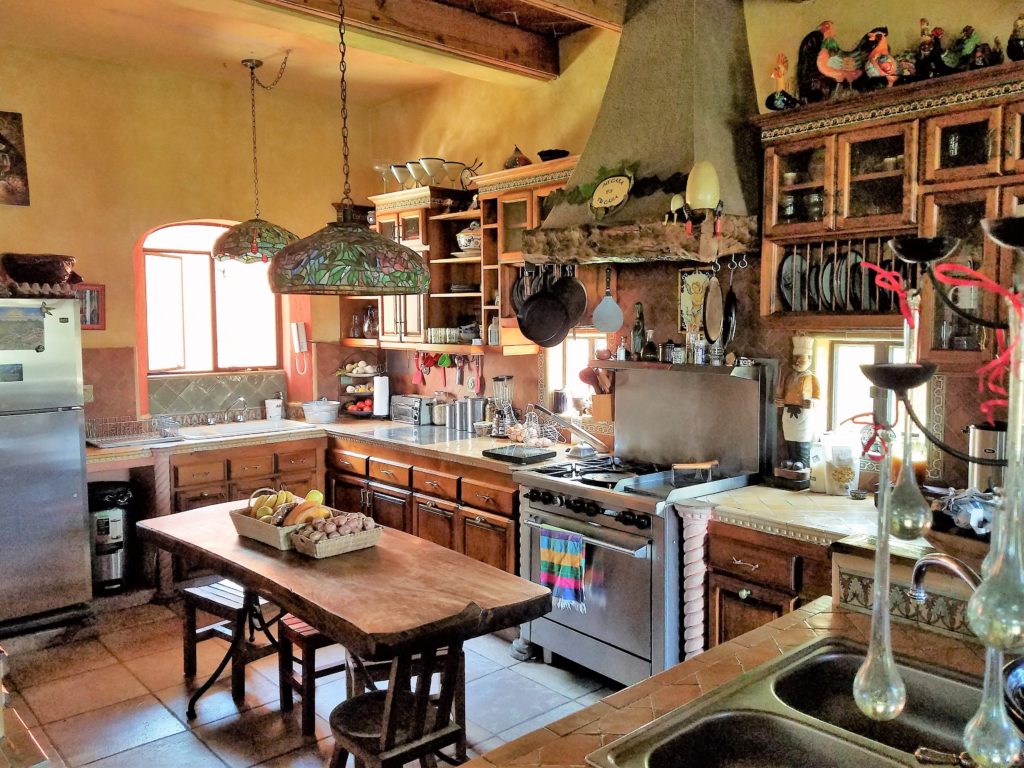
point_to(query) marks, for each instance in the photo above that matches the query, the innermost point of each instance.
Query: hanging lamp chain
(253, 65)
(346, 198)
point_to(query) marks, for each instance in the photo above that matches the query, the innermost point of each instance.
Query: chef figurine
(798, 392)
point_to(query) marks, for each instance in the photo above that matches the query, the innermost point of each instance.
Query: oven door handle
(638, 553)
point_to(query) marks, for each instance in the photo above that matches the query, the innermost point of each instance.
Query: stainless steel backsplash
(669, 416)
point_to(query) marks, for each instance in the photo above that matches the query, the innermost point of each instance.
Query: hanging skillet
(572, 293)
(729, 312)
(713, 310)
(517, 293)
(543, 318)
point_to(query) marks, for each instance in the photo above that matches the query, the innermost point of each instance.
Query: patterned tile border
(940, 613)
(791, 532)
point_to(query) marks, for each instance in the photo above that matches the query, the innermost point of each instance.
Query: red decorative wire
(877, 435)
(892, 280)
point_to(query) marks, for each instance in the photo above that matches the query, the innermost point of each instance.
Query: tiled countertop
(465, 449)
(568, 741)
(813, 517)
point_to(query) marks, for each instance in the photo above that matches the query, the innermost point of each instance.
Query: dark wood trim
(444, 28)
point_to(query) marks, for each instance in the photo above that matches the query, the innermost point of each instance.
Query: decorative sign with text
(610, 194)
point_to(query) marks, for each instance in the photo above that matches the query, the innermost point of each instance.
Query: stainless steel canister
(463, 415)
(986, 441)
(477, 410)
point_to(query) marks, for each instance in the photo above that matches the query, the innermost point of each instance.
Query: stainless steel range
(623, 508)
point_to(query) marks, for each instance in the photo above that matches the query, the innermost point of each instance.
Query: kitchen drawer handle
(200, 474)
(387, 472)
(743, 594)
(246, 468)
(432, 483)
(752, 566)
(485, 497)
(345, 463)
(296, 461)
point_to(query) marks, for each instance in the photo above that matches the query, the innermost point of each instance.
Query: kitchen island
(568, 741)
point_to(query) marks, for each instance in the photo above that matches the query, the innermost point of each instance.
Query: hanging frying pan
(543, 318)
(517, 293)
(729, 307)
(713, 310)
(572, 293)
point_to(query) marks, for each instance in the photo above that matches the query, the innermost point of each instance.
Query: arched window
(205, 315)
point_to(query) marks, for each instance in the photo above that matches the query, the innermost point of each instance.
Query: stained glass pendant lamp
(346, 257)
(255, 239)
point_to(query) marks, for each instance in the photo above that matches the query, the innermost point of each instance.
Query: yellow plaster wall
(115, 150)
(464, 119)
(775, 27)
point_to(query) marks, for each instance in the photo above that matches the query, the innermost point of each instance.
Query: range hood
(681, 90)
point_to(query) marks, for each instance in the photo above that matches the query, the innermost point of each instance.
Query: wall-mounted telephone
(299, 337)
(299, 346)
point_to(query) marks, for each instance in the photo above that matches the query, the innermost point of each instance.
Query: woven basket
(339, 546)
(276, 536)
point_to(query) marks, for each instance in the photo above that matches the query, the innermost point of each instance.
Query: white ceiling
(208, 39)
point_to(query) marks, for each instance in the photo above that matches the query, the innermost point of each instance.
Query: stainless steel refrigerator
(44, 523)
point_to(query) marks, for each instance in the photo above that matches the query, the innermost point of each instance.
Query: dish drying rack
(119, 433)
(505, 417)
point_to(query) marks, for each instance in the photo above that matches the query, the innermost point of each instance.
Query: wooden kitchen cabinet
(800, 187)
(1013, 137)
(201, 496)
(737, 607)
(434, 520)
(401, 319)
(876, 181)
(391, 507)
(487, 537)
(346, 493)
(963, 145)
(944, 338)
(755, 577)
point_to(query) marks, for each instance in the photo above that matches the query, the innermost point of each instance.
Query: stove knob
(574, 505)
(547, 497)
(591, 508)
(559, 501)
(533, 495)
(643, 522)
(626, 517)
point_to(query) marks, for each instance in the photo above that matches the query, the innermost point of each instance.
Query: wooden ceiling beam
(444, 28)
(606, 14)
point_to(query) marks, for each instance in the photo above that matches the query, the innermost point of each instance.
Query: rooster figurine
(780, 99)
(835, 63)
(879, 63)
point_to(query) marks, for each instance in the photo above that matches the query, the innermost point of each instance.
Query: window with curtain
(204, 315)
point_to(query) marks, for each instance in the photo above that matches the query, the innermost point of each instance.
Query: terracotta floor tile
(144, 639)
(60, 661)
(216, 703)
(107, 731)
(69, 696)
(313, 755)
(257, 735)
(113, 621)
(178, 751)
(165, 668)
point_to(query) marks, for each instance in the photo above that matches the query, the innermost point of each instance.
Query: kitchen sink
(937, 710)
(239, 428)
(799, 711)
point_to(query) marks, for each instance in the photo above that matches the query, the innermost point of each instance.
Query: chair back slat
(449, 682)
(428, 660)
(398, 683)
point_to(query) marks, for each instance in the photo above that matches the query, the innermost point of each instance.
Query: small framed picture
(93, 307)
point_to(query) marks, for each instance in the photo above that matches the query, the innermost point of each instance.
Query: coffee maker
(987, 441)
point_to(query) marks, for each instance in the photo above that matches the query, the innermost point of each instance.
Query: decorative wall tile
(212, 393)
(111, 372)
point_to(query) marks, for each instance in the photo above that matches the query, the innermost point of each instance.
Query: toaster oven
(410, 409)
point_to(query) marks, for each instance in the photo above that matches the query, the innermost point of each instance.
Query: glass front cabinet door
(963, 145)
(945, 337)
(799, 186)
(877, 174)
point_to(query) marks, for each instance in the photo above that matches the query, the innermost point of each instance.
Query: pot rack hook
(743, 261)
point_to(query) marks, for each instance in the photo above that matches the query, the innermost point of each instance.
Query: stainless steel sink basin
(759, 740)
(799, 711)
(242, 428)
(937, 710)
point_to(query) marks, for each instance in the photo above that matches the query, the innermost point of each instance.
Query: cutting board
(519, 454)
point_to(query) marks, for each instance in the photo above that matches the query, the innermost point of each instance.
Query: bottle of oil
(637, 337)
(650, 351)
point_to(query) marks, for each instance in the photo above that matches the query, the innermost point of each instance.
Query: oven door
(616, 585)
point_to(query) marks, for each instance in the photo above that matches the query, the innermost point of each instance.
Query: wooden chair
(386, 729)
(295, 634)
(229, 602)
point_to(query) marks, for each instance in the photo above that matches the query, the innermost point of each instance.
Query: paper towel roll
(381, 396)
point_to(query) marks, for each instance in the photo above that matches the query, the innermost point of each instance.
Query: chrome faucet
(945, 562)
(239, 416)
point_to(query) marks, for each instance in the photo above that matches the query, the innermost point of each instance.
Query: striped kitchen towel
(562, 565)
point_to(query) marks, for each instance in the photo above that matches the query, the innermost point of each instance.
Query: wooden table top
(404, 594)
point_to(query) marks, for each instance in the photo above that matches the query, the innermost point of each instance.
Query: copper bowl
(38, 267)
